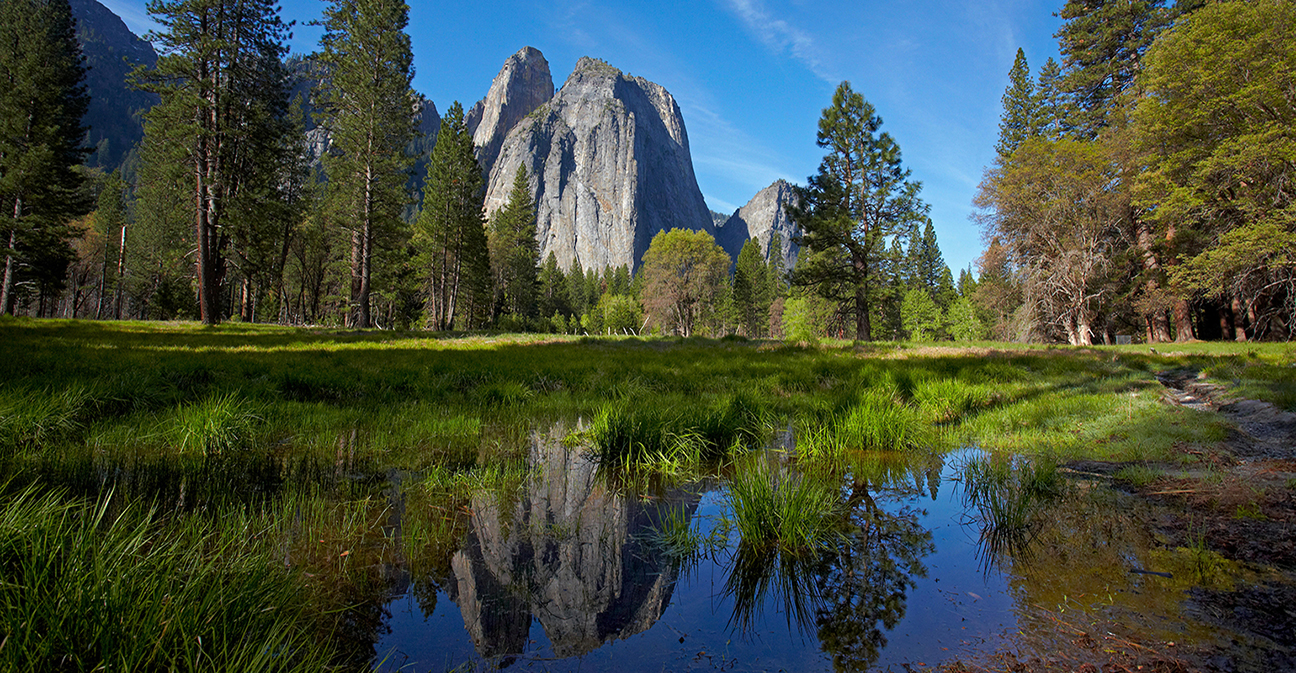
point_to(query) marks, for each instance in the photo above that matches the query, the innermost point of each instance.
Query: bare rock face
(764, 215)
(522, 85)
(111, 51)
(609, 160)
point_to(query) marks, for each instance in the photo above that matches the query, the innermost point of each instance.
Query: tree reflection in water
(850, 594)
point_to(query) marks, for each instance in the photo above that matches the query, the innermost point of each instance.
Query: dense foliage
(1144, 188)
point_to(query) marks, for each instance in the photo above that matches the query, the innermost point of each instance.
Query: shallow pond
(568, 573)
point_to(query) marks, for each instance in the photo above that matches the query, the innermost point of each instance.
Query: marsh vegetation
(244, 497)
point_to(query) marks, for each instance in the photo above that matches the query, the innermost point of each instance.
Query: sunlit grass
(346, 452)
(782, 509)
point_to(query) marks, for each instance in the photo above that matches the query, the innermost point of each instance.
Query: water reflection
(851, 595)
(567, 551)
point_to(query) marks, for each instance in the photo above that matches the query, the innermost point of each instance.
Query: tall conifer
(450, 231)
(1021, 113)
(221, 81)
(369, 110)
(514, 254)
(41, 107)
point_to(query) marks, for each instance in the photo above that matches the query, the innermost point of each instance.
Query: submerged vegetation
(243, 479)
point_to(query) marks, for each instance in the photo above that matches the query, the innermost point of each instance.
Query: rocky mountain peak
(111, 51)
(763, 215)
(522, 85)
(609, 158)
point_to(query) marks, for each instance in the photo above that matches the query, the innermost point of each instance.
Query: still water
(569, 574)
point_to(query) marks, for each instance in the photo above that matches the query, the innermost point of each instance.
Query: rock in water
(609, 160)
(765, 214)
(522, 85)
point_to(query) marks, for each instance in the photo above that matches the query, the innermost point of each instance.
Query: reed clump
(782, 509)
(876, 422)
(214, 424)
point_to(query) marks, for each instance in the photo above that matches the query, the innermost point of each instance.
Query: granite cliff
(609, 159)
(114, 117)
(522, 85)
(764, 215)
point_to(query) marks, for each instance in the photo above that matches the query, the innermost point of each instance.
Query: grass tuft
(216, 424)
(875, 423)
(784, 510)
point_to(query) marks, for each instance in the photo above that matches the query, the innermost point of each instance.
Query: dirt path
(1263, 430)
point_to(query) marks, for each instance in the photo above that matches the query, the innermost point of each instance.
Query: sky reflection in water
(566, 575)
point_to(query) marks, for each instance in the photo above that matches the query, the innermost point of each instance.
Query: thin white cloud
(781, 37)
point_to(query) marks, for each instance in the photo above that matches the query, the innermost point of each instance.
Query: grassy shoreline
(204, 430)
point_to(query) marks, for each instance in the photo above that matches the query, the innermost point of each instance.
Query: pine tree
(220, 79)
(41, 69)
(751, 290)
(929, 265)
(514, 253)
(164, 231)
(777, 275)
(860, 198)
(578, 299)
(369, 111)
(450, 231)
(1053, 106)
(1021, 108)
(1102, 43)
(967, 282)
(553, 289)
(945, 293)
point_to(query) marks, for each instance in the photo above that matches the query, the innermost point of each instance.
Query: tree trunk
(121, 276)
(1183, 321)
(6, 293)
(863, 331)
(1158, 326)
(103, 283)
(1239, 324)
(1084, 331)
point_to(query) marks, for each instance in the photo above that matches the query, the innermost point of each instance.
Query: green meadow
(177, 497)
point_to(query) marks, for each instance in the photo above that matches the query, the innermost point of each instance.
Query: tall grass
(40, 418)
(876, 422)
(782, 509)
(86, 590)
(671, 435)
(215, 424)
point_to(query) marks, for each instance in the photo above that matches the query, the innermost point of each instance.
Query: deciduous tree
(1217, 132)
(683, 272)
(1058, 213)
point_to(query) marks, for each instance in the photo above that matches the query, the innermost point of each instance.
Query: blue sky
(751, 76)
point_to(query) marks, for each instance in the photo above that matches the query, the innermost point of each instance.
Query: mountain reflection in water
(566, 550)
(570, 570)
